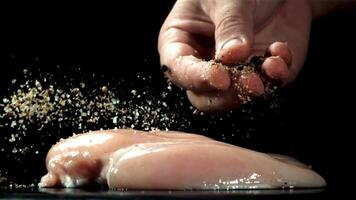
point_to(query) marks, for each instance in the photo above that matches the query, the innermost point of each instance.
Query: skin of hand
(232, 31)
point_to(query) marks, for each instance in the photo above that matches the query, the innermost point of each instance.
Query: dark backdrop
(313, 122)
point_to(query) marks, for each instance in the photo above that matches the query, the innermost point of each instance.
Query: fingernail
(270, 82)
(164, 68)
(230, 43)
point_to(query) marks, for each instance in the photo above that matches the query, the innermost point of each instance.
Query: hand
(232, 31)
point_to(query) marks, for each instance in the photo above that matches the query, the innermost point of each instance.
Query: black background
(119, 40)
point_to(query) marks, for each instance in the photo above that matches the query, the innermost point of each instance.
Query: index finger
(186, 70)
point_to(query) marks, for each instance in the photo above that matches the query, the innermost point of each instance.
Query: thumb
(233, 30)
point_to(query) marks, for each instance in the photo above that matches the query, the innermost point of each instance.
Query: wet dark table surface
(52, 193)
